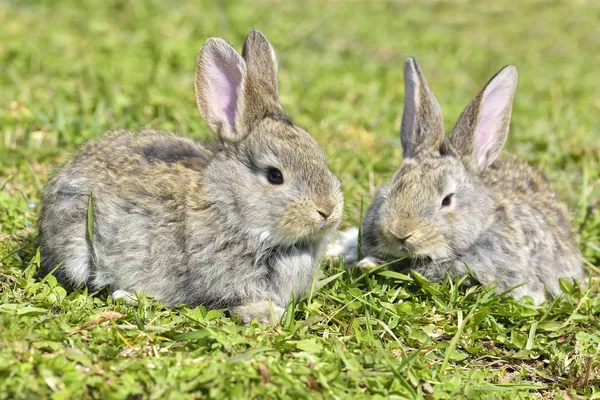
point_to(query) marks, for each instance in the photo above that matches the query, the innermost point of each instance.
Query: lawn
(71, 70)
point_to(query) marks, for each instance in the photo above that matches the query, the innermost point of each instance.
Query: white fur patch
(128, 297)
(344, 246)
(368, 263)
(259, 311)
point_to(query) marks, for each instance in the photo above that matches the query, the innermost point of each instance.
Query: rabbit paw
(259, 311)
(368, 263)
(538, 296)
(344, 246)
(127, 297)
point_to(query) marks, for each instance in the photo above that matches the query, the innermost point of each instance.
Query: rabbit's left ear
(220, 81)
(482, 128)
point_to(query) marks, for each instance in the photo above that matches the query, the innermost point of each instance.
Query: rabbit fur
(187, 223)
(452, 206)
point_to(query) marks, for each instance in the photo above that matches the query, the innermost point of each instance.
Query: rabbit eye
(447, 200)
(275, 176)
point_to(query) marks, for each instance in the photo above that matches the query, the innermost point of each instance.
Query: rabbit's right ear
(262, 96)
(422, 122)
(482, 128)
(220, 80)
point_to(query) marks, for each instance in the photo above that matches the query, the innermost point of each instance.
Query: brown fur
(503, 222)
(197, 225)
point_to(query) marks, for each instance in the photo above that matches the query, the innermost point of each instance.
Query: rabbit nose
(324, 214)
(401, 238)
(405, 238)
(324, 207)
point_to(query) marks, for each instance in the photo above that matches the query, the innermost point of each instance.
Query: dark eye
(275, 176)
(447, 200)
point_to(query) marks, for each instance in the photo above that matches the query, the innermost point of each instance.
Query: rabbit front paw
(368, 263)
(259, 311)
(344, 246)
(127, 297)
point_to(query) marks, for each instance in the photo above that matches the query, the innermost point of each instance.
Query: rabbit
(452, 207)
(240, 225)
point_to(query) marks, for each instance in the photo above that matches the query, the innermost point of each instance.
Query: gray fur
(504, 221)
(422, 119)
(189, 224)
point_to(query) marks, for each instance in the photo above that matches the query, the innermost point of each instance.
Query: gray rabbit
(240, 226)
(451, 206)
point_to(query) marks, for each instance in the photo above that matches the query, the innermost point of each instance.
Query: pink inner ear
(489, 121)
(224, 82)
(494, 110)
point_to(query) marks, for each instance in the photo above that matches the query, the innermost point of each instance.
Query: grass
(70, 70)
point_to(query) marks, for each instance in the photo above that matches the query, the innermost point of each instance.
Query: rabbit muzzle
(413, 239)
(311, 218)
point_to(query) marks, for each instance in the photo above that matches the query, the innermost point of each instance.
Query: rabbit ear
(482, 128)
(422, 122)
(220, 77)
(261, 96)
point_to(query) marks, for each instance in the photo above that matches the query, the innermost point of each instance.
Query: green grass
(70, 70)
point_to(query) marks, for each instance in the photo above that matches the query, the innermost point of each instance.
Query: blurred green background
(70, 70)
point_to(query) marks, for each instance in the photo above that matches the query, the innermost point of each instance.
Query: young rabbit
(241, 226)
(451, 206)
